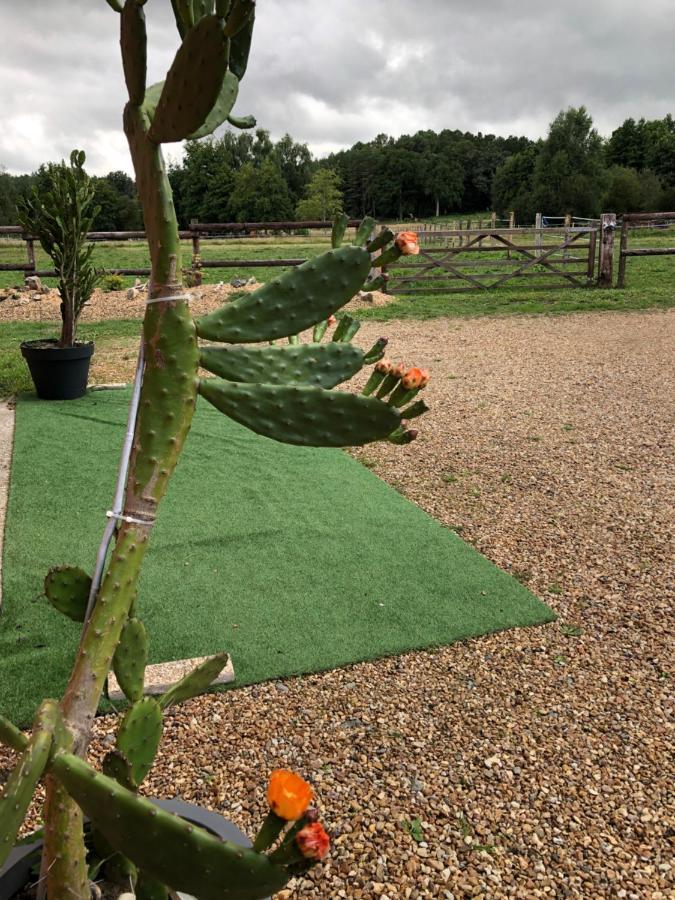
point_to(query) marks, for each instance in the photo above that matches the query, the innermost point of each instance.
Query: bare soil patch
(539, 762)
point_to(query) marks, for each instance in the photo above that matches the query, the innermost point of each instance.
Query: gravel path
(538, 762)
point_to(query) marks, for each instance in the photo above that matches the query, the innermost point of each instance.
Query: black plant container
(58, 373)
(16, 874)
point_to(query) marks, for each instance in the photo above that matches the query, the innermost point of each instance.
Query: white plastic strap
(167, 299)
(132, 520)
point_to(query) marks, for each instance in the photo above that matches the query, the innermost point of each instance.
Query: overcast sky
(334, 73)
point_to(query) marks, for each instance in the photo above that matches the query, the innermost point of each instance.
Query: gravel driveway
(538, 762)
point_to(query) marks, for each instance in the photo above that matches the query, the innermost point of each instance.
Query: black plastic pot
(16, 874)
(58, 373)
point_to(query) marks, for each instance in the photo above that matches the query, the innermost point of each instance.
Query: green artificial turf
(292, 559)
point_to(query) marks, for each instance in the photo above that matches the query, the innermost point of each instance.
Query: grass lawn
(293, 559)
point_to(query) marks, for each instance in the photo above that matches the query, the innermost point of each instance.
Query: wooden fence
(567, 255)
(641, 220)
(466, 258)
(196, 233)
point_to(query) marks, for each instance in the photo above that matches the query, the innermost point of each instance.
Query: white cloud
(333, 74)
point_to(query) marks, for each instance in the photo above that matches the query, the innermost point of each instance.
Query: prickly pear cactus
(283, 392)
(279, 391)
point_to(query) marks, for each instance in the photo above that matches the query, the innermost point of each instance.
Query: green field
(650, 284)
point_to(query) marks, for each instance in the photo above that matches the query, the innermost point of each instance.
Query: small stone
(32, 283)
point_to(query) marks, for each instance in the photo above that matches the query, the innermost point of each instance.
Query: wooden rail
(196, 232)
(624, 251)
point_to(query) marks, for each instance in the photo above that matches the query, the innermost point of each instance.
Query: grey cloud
(332, 74)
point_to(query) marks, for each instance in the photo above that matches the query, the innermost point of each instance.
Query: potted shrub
(59, 214)
(284, 391)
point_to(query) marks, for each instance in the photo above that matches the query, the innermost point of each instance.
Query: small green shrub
(112, 283)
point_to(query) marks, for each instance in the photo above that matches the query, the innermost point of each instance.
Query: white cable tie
(166, 299)
(132, 520)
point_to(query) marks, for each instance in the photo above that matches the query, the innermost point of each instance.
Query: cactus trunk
(166, 408)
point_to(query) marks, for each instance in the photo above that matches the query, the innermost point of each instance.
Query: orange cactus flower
(313, 842)
(426, 378)
(288, 794)
(385, 366)
(398, 371)
(332, 320)
(406, 241)
(412, 379)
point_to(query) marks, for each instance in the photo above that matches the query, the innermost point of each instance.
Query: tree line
(246, 176)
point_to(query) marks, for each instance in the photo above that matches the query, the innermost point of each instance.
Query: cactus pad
(240, 47)
(131, 658)
(139, 735)
(151, 99)
(222, 107)
(242, 122)
(296, 300)
(381, 240)
(196, 682)
(11, 736)
(169, 394)
(133, 40)
(148, 888)
(302, 414)
(339, 228)
(18, 791)
(181, 12)
(323, 365)
(183, 856)
(116, 765)
(67, 589)
(201, 8)
(192, 83)
(364, 231)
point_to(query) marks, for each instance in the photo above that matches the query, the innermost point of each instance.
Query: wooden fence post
(592, 240)
(567, 225)
(538, 237)
(607, 229)
(374, 272)
(196, 257)
(512, 224)
(30, 250)
(621, 282)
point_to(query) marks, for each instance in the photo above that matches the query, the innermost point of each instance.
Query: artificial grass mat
(292, 559)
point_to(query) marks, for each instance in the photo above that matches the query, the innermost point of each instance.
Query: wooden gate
(486, 259)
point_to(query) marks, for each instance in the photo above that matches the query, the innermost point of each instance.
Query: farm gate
(485, 259)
